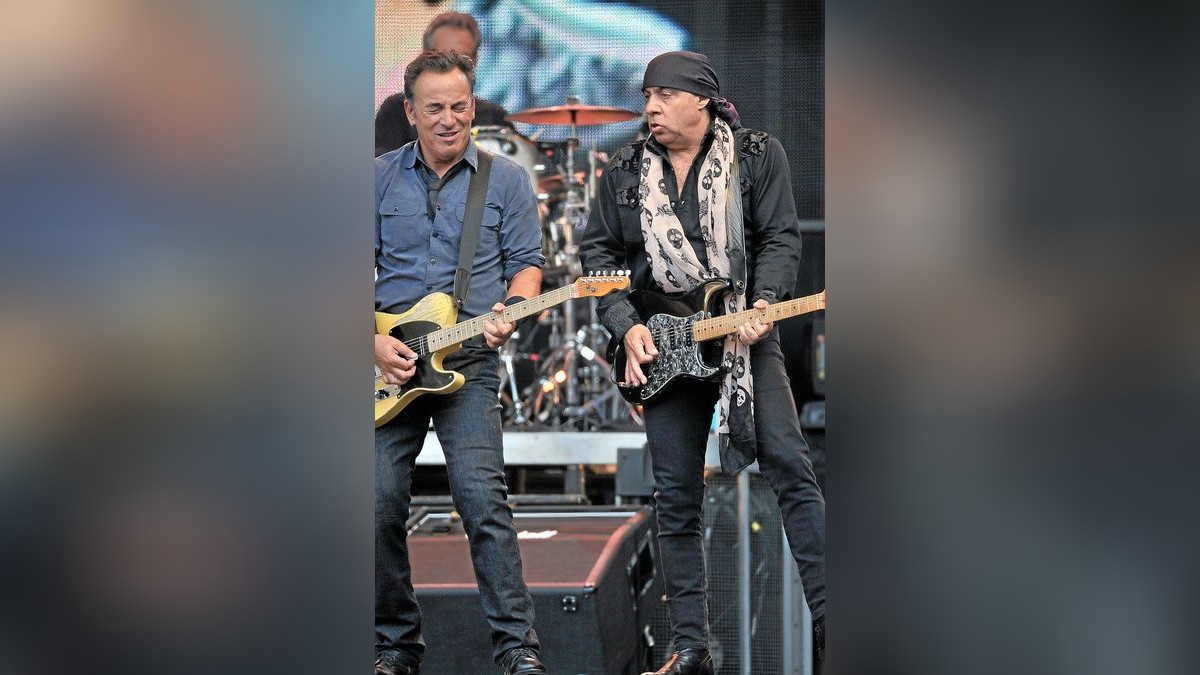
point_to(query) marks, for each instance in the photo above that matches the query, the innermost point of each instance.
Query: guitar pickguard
(427, 376)
(679, 354)
(672, 327)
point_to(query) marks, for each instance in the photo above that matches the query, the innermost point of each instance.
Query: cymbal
(557, 182)
(576, 113)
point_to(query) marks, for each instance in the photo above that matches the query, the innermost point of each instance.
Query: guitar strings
(420, 344)
(683, 329)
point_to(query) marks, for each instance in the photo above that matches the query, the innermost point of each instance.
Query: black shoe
(392, 665)
(521, 661)
(687, 662)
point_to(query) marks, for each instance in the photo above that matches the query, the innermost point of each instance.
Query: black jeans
(467, 423)
(677, 428)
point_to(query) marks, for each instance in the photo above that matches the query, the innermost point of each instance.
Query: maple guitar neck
(720, 326)
(470, 328)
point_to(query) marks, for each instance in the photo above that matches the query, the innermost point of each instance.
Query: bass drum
(507, 143)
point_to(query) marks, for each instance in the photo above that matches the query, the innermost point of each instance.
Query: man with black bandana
(671, 208)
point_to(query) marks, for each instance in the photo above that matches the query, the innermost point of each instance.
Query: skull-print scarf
(677, 268)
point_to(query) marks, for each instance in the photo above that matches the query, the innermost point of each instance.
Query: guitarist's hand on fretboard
(639, 349)
(496, 330)
(397, 363)
(753, 331)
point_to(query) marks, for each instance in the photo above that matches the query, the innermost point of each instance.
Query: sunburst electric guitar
(682, 323)
(429, 329)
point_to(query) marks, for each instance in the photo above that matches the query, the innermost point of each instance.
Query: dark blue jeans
(677, 428)
(467, 423)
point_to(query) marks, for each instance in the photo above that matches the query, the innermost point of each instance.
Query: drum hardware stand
(575, 361)
(574, 211)
(509, 378)
(561, 376)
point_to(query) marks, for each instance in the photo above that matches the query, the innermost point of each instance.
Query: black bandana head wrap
(685, 71)
(690, 72)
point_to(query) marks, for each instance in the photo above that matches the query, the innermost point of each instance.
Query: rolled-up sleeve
(520, 228)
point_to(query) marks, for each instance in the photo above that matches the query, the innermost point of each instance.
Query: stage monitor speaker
(635, 472)
(592, 574)
(818, 355)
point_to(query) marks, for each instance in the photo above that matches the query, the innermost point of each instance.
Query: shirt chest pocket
(489, 229)
(403, 222)
(629, 210)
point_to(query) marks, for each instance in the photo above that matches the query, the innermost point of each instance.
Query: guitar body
(672, 318)
(435, 311)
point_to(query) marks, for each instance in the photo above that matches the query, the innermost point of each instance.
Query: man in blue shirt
(420, 195)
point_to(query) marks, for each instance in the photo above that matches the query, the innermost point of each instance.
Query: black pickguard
(427, 377)
(672, 318)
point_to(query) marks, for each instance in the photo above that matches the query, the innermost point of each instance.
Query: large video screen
(768, 54)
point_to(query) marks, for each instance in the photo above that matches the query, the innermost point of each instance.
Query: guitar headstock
(596, 284)
(821, 298)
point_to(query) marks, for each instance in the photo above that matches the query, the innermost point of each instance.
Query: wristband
(521, 323)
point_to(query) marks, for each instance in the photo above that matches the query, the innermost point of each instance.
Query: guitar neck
(720, 326)
(440, 339)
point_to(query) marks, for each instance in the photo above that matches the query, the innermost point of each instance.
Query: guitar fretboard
(720, 326)
(440, 339)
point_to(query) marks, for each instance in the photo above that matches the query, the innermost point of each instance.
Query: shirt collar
(472, 156)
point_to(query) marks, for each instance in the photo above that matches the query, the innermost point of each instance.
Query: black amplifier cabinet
(592, 574)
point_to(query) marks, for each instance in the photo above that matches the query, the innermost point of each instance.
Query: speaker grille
(766, 598)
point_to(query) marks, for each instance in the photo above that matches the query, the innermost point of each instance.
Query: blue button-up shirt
(416, 255)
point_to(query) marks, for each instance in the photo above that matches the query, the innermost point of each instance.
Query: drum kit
(554, 376)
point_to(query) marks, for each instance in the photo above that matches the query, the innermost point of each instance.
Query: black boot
(521, 661)
(687, 662)
(390, 664)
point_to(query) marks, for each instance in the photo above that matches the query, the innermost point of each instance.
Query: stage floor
(553, 448)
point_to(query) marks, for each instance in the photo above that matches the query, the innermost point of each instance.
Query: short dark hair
(437, 62)
(453, 20)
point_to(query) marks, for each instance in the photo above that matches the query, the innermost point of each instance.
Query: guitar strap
(472, 218)
(736, 243)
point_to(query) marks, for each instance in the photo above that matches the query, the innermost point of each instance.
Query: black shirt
(392, 129)
(613, 239)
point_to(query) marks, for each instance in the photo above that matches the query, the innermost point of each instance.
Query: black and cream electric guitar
(682, 323)
(429, 329)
